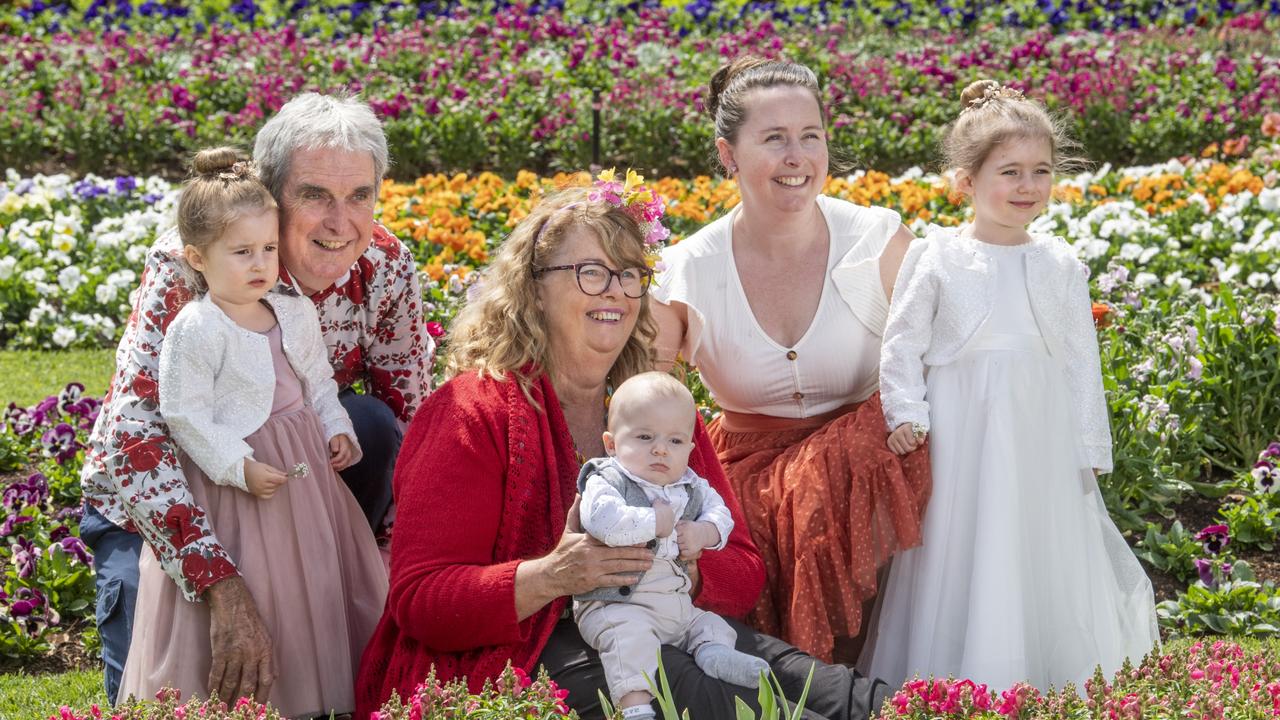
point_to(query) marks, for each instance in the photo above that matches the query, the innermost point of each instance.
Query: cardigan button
(624, 591)
(791, 354)
(798, 396)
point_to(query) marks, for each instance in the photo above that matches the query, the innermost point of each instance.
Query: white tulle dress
(1022, 575)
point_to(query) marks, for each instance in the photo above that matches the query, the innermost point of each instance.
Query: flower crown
(636, 199)
(992, 93)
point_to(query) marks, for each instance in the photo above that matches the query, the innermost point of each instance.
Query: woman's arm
(673, 323)
(891, 258)
(732, 577)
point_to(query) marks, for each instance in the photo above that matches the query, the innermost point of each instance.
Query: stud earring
(733, 169)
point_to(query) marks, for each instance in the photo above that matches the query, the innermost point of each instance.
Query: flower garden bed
(508, 90)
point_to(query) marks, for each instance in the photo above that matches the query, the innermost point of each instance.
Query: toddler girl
(248, 395)
(990, 350)
(644, 492)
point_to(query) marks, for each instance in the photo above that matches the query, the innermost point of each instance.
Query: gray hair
(311, 121)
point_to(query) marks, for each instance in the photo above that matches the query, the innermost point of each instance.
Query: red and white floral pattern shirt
(372, 322)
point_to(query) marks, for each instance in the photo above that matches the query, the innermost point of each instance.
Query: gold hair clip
(992, 93)
(238, 171)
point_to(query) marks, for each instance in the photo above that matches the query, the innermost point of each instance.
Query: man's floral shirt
(372, 322)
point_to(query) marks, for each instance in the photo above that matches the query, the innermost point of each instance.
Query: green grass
(27, 377)
(36, 697)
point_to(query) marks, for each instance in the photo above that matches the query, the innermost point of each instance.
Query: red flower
(178, 520)
(435, 329)
(145, 387)
(202, 572)
(174, 299)
(144, 453)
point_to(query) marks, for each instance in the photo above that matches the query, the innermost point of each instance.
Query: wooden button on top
(791, 354)
(798, 396)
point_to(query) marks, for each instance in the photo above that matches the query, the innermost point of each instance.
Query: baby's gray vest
(634, 496)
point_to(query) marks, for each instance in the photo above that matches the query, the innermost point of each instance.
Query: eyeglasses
(594, 278)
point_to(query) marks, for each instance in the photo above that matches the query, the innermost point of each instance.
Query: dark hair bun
(216, 160)
(976, 90)
(725, 75)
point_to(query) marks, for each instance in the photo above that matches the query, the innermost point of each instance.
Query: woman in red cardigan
(487, 548)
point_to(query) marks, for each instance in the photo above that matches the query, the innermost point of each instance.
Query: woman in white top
(780, 305)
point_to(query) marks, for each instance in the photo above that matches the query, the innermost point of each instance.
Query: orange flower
(1101, 315)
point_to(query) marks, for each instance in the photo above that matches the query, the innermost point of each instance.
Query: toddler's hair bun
(977, 90)
(216, 161)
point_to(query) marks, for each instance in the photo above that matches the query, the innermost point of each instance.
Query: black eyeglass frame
(646, 277)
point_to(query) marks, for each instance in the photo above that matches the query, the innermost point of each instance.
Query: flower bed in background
(505, 91)
(1202, 680)
(337, 18)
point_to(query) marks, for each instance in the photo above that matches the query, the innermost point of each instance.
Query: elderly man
(323, 158)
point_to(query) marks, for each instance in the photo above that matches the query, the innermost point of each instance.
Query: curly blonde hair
(502, 329)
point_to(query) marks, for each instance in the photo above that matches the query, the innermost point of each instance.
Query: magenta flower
(1214, 538)
(19, 420)
(73, 547)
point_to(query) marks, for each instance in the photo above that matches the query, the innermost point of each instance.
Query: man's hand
(341, 452)
(904, 439)
(242, 663)
(263, 479)
(666, 518)
(694, 537)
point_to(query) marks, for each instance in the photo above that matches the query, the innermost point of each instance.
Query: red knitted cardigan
(483, 481)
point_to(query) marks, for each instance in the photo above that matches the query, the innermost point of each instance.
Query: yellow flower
(633, 179)
(607, 175)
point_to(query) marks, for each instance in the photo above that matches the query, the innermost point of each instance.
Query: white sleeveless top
(835, 362)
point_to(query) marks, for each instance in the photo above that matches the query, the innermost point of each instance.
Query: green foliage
(1173, 552)
(1234, 604)
(36, 697)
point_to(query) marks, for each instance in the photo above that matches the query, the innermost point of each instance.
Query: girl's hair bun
(216, 161)
(976, 90)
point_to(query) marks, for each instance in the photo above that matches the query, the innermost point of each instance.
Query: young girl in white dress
(248, 395)
(990, 351)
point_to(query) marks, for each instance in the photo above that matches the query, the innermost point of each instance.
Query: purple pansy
(1265, 476)
(12, 522)
(70, 394)
(31, 491)
(19, 420)
(24, 557)
(60, 443)
(1214, 538)
(1204, 568)
(72, 546)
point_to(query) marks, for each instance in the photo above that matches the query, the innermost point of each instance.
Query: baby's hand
(904, 440)
(666, 518)
(340, 452)
(694, 537)
(263, 479)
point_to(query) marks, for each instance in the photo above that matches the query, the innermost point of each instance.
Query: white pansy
(105, 293)
(1130, 251)
(1198, 200)
(44, 289)
(1269, 199)
(1145, 279)
(1147, 254)
(70, 278)
(136, 254)
(35, 275)
(7, 265)
(64, 336)
(1258, 280)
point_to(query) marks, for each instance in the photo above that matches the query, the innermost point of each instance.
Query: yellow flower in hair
(607, 176)
(633, 179)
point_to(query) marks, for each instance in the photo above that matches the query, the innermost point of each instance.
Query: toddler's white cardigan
(217, 382)
(944, 293)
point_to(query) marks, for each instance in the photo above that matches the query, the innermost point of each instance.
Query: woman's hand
(578, 564)
(904, 439)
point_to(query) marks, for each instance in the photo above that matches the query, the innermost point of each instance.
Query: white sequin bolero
(943, 295)
(217, 382)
